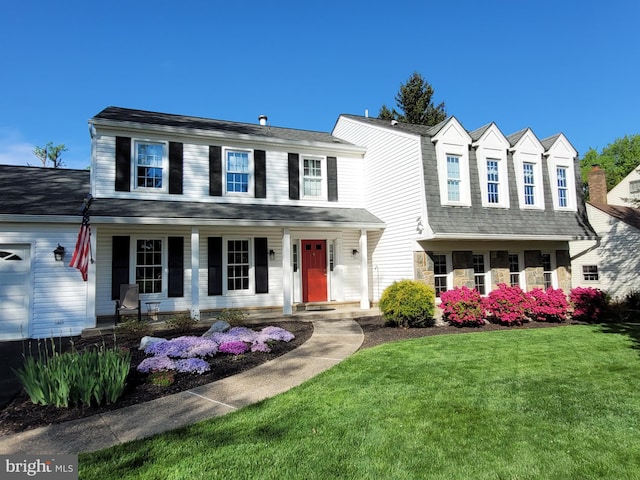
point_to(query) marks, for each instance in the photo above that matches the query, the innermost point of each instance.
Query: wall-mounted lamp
(355, 252)
(272, 255)
(58, 253)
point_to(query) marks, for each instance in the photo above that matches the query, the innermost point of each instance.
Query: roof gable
(559, 146)
(489, 135)
(525, 141)
(451, 130)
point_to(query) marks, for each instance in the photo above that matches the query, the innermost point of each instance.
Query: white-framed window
(563, 190)
(440, 273)
(529, 182)
(634, 187)
(514, 269)
(150, 165)
(238, 172)
(149, 265)
(547, 267)
(590, 273)
(480, 273)
(493, 181)
(313, 177)
(239, 265)
(453, 178)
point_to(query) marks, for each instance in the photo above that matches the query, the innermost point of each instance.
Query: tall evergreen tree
(415, 101)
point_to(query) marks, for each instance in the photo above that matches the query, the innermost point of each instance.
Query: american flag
(82, 253)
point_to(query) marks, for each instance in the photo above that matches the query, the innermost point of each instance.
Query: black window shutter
(215, 265)
(215, 171)
(119, 264)
(294, 176)
(262, 264)
(260, 169)
(332, 179)
(175, 168)
(123, 165)
(176, 266)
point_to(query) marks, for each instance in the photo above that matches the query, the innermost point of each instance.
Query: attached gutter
(126, 127)
(19, 218)
(236, 222)
(459, 236)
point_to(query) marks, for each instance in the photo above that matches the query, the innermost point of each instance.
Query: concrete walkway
(331, 342)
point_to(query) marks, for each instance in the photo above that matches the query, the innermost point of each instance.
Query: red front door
(314, 270)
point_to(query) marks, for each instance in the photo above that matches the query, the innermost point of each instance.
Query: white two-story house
(468, 208)
(202, 214)
(207, 214)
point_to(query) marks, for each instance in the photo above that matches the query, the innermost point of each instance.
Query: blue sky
(555, 66)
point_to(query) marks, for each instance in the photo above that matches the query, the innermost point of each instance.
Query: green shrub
(134, 327)
(180, 322)
(408, 303)
(232, 316)
(75, 378)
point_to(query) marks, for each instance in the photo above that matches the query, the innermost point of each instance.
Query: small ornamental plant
(188, 354)
(462, 307)
(508, 305)
(548, 306)
(408, 303)
(589, 304)
(162, 378)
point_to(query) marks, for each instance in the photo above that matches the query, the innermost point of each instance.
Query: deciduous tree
(50, 154)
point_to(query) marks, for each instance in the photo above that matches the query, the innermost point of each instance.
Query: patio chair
(129, 302)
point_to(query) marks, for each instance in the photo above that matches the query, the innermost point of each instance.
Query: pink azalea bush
(462, 307)
(589, 304)
(548, 306)
(508, 305)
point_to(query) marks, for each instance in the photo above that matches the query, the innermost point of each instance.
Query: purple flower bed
(187, 354)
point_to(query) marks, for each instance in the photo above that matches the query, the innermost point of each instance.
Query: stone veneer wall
(423, 268)
(563, 270)
(463, 269)
(533, 269)
(499, 264)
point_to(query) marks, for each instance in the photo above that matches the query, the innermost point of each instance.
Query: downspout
(590, 249)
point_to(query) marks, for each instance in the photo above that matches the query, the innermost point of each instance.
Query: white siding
(621, 195)
(616, 257)
(196, 175)
(394, 186)
(58, 293)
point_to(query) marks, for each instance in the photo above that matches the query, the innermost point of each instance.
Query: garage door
(14, 292)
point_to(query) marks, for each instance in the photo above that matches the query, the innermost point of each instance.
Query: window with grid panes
(440, 273)
(546, 267)
(238, 266)
(514, 269)
(149, 265)
(479, 274)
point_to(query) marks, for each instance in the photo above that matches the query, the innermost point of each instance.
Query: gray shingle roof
(479, 221)
(118, 114)
(60, 192)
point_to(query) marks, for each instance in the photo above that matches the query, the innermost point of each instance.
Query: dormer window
(563, 196)
(150, 165)
(453, 178)
(452, 152)
(493, 182)
(529, 180)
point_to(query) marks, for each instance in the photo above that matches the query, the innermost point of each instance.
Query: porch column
(287, 287)
(364, 271)
(195, 273)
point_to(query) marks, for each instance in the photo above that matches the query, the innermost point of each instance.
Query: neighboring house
(202, 214)
(468, 208)
(612, 262)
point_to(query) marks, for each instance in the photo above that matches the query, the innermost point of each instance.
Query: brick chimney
(597, 181)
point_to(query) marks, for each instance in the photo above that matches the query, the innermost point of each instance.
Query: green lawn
(555, 403)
